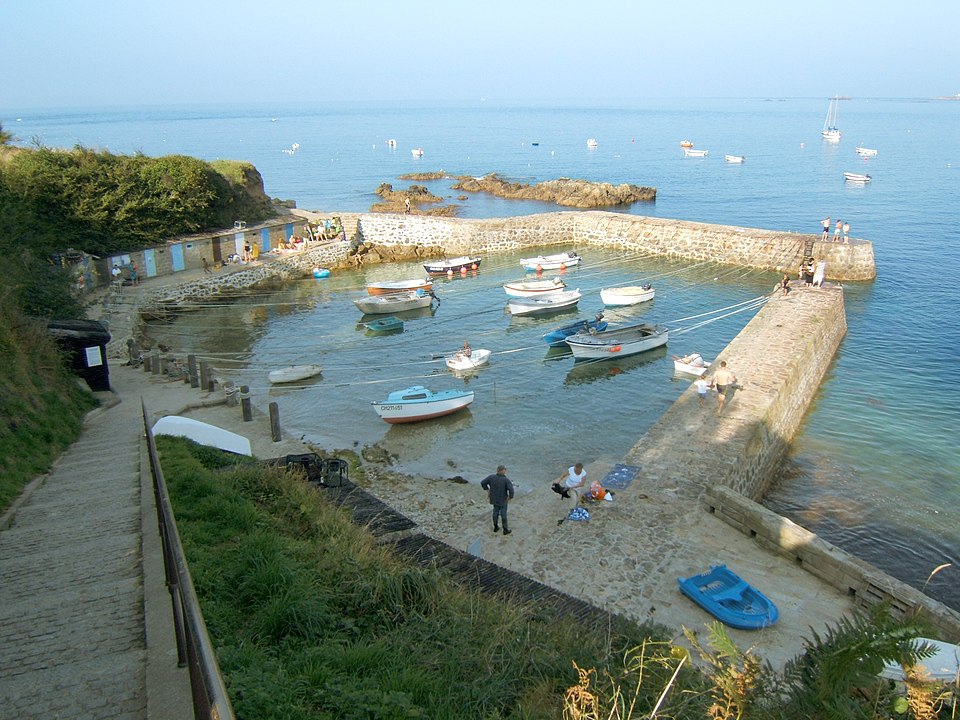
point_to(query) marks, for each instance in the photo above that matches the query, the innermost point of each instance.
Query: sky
(118, 53)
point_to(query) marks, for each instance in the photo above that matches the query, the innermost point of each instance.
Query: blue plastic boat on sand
(730, 599)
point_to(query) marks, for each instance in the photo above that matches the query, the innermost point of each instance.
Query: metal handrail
(194, 649)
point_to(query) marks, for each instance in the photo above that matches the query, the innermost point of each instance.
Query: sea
(875, 466)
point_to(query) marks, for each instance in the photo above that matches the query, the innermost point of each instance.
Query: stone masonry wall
(748, 247)
(847, 573)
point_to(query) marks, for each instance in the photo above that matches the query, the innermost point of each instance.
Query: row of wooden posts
(199, 375)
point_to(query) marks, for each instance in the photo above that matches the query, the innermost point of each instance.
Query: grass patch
(42, 404)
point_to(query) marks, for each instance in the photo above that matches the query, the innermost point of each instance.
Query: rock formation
(564, 191)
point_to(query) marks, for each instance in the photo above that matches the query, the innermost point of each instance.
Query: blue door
(265, 240)
(288, 229)
(176, 256)
(150, 263)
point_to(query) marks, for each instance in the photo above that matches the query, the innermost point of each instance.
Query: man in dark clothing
(500, 490)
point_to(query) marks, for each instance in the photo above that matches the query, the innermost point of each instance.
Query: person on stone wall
(723, 382)
(846, 232)
(826, 228)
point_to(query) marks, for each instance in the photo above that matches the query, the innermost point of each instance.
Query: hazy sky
(69, 53)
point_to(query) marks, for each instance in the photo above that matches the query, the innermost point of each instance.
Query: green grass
(42, 405)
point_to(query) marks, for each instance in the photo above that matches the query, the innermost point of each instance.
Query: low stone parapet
(866, 584)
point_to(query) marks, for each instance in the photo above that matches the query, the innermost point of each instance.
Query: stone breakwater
(696, 242)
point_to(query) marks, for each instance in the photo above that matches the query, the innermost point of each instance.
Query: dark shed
(85, 342)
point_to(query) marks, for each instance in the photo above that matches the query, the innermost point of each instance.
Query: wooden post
(231, 392)
(146, 364)
(192, 368)
(155, 364)
(164, 364)
(205, 379)
(245, 403)
(275, 422)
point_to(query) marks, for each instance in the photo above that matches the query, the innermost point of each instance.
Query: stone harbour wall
(867, 585)
(747, 247)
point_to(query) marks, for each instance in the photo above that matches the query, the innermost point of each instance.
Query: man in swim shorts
(723, 381)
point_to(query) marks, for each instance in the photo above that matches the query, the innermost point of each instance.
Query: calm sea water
(875, 467)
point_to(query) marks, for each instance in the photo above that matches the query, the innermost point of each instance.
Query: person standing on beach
(500, 490)
(723, 381)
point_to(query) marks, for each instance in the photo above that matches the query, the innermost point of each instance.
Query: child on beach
(702, 385)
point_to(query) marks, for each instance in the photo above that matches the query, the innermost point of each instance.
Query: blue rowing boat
(730, 599)
(557, 338)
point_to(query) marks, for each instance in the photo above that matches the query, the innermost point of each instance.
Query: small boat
(418, 403)
(723, 594)
(618, 342)
(417, 152)
(395, 302)
(455, 265)
(202, 433)
(557, 261)
(830, 132)
(943, 666)
(691, 364)
(558, 337)
(866, 152)
(686, 144)
(856, 177)
(628, 295)
(690, 152)
(549, 302)
(394, 286)
(293, 373)
(461, 361)
(385, 325)
(736, 159)
(532, 288)
(593, 144)
(392, 144)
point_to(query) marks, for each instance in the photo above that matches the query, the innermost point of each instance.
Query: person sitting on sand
(575, 480)
(598, 492)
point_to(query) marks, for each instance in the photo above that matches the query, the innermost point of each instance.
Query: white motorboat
(418, 403)
(202, 433)
(619, 342)
(593, 144)
(293, 373)
(557, 261)
(830, 132)
(395, 302)
(690, 152)
(544, 303)
(532, 288)
(736, 159)
(454, 265)
(943, 666)
(395, 286)
(628, 295)
(856, 177)
(691, 364)
(866, 152)
(417, 152)
(461, 361)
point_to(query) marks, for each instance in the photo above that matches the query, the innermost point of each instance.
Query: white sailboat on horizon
(830, 131)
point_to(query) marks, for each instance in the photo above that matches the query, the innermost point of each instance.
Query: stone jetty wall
(779, 360)
(867, 585)
(747, 247)
(724, 463)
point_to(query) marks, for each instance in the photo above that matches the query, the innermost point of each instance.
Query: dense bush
(104, 204)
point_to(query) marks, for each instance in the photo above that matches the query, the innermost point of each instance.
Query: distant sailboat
(830, 130)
